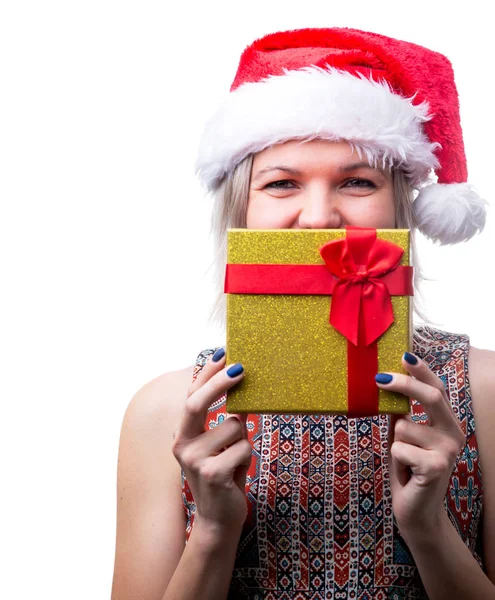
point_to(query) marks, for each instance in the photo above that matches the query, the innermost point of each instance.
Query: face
(318, 185)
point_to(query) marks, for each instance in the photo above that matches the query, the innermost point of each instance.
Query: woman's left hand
(422, 457)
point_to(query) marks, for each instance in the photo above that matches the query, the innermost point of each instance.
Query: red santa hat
(395, 102)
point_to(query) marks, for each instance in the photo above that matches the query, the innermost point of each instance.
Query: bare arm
(482, 375)
(446, 566)
(151, 560)
(150, 518)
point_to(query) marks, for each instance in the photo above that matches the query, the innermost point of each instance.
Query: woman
(323, 129)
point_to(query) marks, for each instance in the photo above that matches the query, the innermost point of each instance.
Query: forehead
(304, 149)
(300, 154)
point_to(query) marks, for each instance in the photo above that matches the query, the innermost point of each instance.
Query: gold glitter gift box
(278, 323)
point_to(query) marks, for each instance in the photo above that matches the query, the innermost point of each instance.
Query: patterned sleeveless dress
(320, 522)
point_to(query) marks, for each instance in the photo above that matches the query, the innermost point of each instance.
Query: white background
(104, 246)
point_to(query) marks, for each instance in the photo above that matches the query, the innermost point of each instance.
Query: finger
(432, 398)
(197, 404)
(242, 418)
(245, 459)
(412, 433)
(244, 455)
(392, 421)
(229, 464)
(424, 464)
(399, 474)
(241, 472)
(213, 441)
(420, 370)
(213, 365)
(407, 455)
(392, 424)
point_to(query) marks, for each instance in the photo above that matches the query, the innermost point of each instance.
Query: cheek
(268, 213)
(378, 213)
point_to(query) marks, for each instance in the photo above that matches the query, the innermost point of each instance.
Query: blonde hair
(230, 208)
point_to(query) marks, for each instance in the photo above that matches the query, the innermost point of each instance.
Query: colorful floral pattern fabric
(320, 522)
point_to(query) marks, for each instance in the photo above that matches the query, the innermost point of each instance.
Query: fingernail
(235, 370)
(383, 378)
(410, 358)
(219, 354)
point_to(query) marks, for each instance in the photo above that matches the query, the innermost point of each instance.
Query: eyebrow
(277, 168)
(356, 166)
(342, 169)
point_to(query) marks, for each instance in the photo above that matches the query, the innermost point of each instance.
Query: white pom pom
(449, 213)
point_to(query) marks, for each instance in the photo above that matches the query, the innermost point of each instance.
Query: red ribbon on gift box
(361, 272)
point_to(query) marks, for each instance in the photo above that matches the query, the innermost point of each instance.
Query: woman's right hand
(214, 461)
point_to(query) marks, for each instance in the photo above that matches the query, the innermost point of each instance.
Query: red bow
(361, 305)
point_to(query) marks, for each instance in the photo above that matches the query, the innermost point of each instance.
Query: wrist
(426, 535)
(213, 537)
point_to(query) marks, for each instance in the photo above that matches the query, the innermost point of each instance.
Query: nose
(319, 210)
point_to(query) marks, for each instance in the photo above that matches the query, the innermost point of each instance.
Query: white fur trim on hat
(449, 213)
(317, 103)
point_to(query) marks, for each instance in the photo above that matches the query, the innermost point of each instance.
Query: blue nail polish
(383, 378)
(219, 354)
(235, 370)
(410, 358)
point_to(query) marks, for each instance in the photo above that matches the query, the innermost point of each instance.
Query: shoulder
(481, 367)
(161, 398)
(148, 425)
(482, 375)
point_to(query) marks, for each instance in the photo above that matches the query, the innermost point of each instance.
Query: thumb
(242, 418)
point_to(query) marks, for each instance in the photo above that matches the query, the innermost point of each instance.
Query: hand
(422, 457)
(215, 461)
